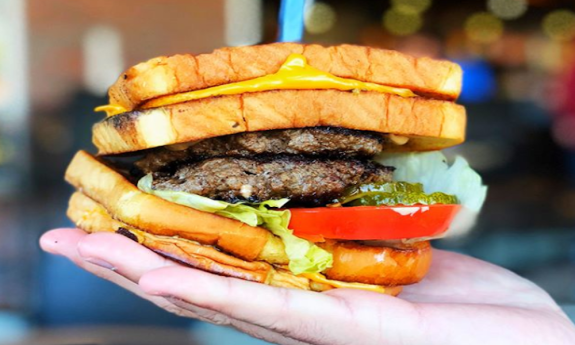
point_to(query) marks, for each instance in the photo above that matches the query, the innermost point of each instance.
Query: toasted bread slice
(180, 73)
(431, 124)
(91, 217)
(150, 213)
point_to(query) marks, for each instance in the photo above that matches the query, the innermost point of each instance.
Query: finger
(65, 242)
(121, 254)
(62, 241)
(301, 315)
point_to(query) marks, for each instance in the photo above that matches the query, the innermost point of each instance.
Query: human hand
(461, 301)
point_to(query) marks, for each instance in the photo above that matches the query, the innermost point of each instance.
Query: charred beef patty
(316, 142)
(306, 181)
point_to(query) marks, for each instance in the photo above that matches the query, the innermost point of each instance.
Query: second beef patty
(304, 180)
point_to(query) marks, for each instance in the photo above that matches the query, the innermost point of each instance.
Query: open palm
(462, 300)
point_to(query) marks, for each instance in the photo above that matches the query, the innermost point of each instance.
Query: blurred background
(57, 57)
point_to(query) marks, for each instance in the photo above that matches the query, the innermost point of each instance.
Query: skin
(462, 300)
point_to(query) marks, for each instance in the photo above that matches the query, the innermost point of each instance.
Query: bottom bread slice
(90, 216)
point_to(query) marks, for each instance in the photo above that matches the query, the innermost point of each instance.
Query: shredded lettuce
(432, 170)
(305, 257)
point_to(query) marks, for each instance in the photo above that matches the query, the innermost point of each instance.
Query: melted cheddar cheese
(294, 74)
(320, 278)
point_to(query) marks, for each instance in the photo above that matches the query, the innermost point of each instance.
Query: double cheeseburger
(264, 163)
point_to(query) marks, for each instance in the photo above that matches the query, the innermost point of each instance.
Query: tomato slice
(372, 222)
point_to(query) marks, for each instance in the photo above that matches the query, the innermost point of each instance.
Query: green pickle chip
(391, 194)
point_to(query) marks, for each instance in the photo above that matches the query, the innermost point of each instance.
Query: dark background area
(57, 58)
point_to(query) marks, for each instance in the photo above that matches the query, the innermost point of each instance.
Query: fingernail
(101, 263)
(49, 243)
(51, 247)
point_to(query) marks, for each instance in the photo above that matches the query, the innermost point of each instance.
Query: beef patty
(306, 181)
(315, 142)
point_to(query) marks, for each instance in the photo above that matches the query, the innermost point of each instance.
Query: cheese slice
(320, 278)
(294, 74)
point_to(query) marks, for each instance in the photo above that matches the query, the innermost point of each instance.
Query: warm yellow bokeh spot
(400, 23)
(411, 6)
(507, 9)
(560, 25)
(483, 27)
(320, 18)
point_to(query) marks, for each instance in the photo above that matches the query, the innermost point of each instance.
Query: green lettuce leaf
(432, 170)
(305, 257)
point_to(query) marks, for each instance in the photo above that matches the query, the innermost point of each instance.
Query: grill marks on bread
(431, 124)
(167, 75)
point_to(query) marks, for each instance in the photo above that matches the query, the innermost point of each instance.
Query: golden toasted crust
(431, 124)
(179, 73)
(90, 216)
(150, 213)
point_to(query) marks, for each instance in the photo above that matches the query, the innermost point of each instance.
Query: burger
(292, 165)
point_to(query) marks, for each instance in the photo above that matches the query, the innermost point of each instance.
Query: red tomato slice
(372, 222)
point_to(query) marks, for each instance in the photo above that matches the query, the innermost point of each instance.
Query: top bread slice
(168, 75)
(429, 124)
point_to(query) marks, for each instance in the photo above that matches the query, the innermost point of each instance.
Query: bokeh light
(411, 6)
(243, 22)
(420, 45)
(563, 131)
(560, 25)
(4, 93)
(483, 27)
(54, 137)
(507, 9)
(517, 85)
(509, 51)
(319, 18)
(7, 152)
(401, 23)
(479, 84)
(543, 54)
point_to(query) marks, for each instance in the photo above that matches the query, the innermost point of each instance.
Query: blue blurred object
(13, 327)
(70, 297)
(291, 21)
(208, 334)
(479, 83)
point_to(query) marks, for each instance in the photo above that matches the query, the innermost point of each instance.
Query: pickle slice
(391, 194)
